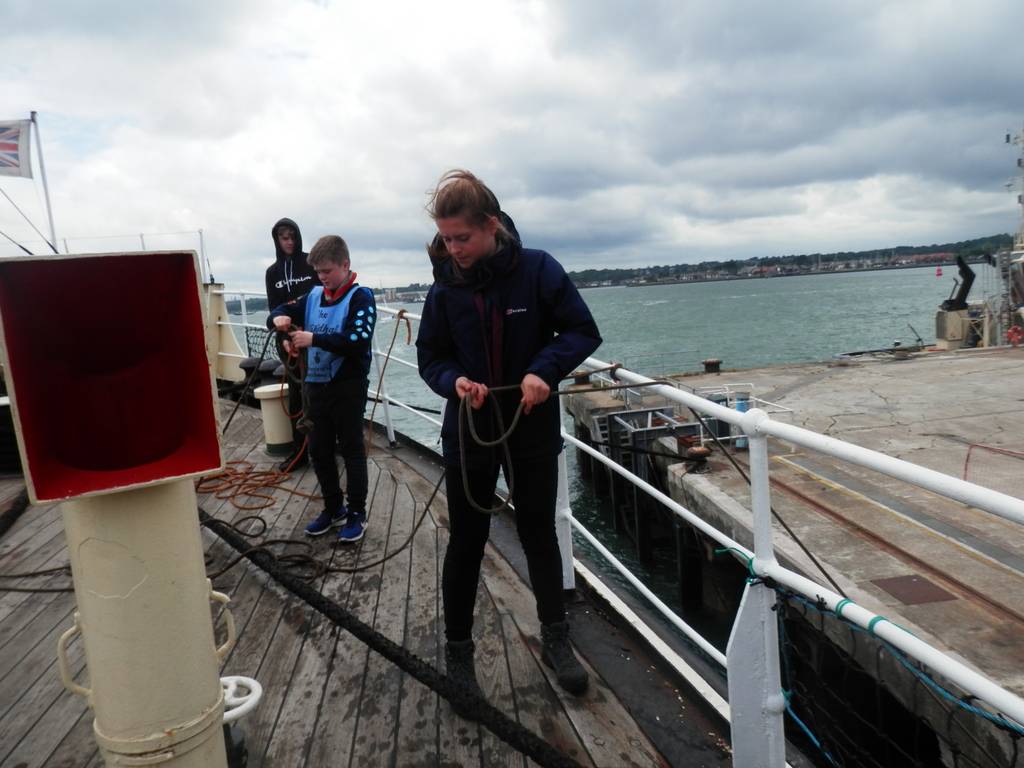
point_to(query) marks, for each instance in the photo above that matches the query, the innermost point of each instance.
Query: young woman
(498, 315)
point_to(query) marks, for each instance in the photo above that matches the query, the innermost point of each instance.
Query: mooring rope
(496, 721)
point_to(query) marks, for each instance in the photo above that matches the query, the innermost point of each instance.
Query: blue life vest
(323, 365)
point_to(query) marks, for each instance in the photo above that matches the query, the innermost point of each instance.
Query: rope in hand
(294, 375)
(466, 420)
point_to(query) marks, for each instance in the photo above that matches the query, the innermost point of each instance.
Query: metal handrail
(757, 423)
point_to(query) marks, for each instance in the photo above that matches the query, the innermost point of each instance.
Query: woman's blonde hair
(460, 193)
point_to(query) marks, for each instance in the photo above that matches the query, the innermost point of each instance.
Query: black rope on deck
(496, 721)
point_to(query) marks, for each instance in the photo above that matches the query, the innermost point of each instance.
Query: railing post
(382, 394)
(563, 513)
(245, 315)
(755, 687)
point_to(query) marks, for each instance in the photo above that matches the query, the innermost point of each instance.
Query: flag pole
(46, 188)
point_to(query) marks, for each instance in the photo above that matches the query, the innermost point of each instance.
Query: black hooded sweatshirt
(289, 276)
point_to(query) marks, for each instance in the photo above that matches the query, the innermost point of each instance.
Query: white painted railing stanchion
(755, 683)
(563, 513)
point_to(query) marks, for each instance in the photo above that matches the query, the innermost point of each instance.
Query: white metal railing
(757, 708)
(756, 702)
(754, 706)
(245, 324)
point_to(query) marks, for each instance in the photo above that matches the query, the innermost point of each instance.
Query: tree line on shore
(971, 250)
(904, 255)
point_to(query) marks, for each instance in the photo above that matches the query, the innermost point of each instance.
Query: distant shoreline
(625, 284)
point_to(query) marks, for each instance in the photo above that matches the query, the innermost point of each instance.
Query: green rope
(742, 555)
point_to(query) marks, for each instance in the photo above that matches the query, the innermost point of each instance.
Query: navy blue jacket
(356, 353)
(522, 301)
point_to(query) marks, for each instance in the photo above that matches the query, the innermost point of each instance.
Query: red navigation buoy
(938, 271)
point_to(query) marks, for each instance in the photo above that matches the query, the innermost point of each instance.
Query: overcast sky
(615, 133)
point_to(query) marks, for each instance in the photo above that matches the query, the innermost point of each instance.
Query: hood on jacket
(298, 238)
(503, 259)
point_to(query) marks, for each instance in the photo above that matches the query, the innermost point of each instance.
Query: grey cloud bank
(640, 133)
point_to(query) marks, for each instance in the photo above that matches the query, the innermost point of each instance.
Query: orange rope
(241, 478)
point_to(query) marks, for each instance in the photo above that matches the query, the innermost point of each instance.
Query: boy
(288, 278)
(335, 323)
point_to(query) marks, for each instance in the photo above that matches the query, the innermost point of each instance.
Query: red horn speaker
(105, 362)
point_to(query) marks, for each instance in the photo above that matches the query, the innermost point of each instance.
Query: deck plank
(492, 672)
(343, 689)
(458, 739)
(536, 703)
(48, 550)
(277, 668)
(10, 487)
(77, 748)
(19, 650)
(39, 688)
(29, 526)
(24, 669)
(301, 704)
(22, 608)
(606, 729)
(376, 738)
(57, 722)
(418, 713)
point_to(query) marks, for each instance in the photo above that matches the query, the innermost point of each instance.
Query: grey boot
(557, 654)
(458, 655)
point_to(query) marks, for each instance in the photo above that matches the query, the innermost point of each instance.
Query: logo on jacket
(515, 310)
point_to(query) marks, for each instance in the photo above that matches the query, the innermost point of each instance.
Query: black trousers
(534, 493)
(336, 410)
(295, 412)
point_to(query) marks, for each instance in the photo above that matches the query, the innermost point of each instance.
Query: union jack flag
(14, 157)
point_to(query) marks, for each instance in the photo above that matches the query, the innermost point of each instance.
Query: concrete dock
(951, 574)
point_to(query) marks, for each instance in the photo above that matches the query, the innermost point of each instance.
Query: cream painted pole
(144, 616)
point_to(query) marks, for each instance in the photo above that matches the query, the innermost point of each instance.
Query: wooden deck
(328, 700)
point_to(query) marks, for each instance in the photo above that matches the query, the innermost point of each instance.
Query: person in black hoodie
(288, 278)
(497, 315)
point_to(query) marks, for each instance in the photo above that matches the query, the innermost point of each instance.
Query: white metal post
(144, 617)
(245, 316)
(755, 687)
(46, 187)
(204, 261)
(382, 394)
(563, 513)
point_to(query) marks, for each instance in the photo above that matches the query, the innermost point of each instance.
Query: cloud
(652, 132)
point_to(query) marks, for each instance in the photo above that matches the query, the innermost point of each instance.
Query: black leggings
(336, 410)
(534, 495)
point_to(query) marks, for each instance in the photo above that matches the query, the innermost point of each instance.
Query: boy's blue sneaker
(325, 521)
(354, 529)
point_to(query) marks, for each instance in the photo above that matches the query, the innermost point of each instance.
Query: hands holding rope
(297, 338)
(535, 391)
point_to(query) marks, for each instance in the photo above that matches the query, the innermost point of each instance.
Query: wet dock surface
(328, 700)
